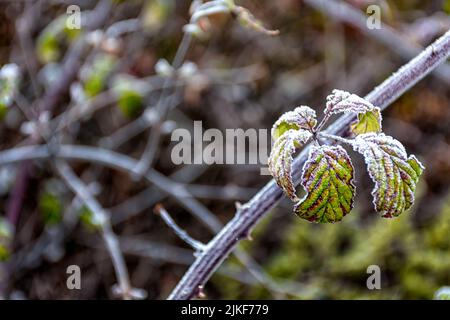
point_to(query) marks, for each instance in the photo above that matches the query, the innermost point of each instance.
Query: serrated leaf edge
(358, 146)
(311, 160)
(280, 159)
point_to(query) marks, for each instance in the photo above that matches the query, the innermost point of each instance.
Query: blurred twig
(182, 234)
(102, 219)
(116, 160)
(386, 35)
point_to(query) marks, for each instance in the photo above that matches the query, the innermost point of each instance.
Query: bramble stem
(249, 215)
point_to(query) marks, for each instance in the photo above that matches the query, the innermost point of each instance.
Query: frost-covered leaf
(394, 173)
(343, 101)
(369, 121)
(280, 160)
(369, 116)
(302, 117)
(328, 179)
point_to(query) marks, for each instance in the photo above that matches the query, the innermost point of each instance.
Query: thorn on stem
(200, 293)
(157, 208)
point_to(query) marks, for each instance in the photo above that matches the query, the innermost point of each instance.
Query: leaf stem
(334, 137)
(322, 123)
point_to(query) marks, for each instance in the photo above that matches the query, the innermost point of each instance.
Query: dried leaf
(394, 173)
(280, 160)
(248, 20)
(328, 179)
(302, 117)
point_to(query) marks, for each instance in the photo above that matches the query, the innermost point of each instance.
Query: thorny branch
(252, 212)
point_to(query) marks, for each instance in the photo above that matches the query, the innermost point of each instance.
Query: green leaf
(3, 111)
(48, 47)
(394, 173)
(328, 179)
(130, 103)
(6, 233)
(129, 92)
(71, 34)
(280, 160)
(302, 117)
(96, 79)
(51, 208)
(52, 38)
(88, 220)
(369, 121)
(4, 253)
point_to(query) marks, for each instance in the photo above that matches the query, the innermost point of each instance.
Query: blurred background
(107, 86)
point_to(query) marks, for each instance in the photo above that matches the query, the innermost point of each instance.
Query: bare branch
(102, 219)
(394, 40)
(125, 163)
(182, 234)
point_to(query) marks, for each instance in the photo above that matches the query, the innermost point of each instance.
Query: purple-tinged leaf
(280, 160)
(369, 116)
(394, 173)
(302, 117)
(328, 180)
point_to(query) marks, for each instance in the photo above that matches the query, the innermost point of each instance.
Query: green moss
(330, 261)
